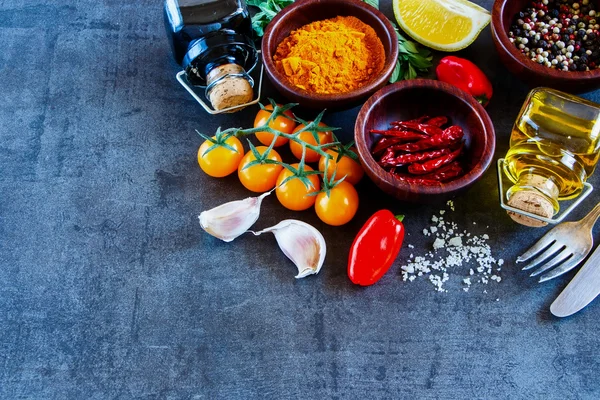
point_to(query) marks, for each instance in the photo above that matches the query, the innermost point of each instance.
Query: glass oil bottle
(212, 41)
(554, 148)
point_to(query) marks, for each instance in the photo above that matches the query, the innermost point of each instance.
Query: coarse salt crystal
(456, 242)
(439, 243)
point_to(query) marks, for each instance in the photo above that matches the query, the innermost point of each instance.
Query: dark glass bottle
(212, 41)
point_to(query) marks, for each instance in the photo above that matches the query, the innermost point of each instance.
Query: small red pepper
(429, 130)
(428, 166)
(410, 158)
(384, 143)
(466, 76)
(446, 173)
(405, 135)
(437, 121)
(375, 248)
(416, 181)
(448, 137)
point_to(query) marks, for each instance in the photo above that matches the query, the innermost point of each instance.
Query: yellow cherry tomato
(307, 137)
(339, 207)
(293, 194)
(280, 123)
(220, 161)
(260, 177)
(347, 167)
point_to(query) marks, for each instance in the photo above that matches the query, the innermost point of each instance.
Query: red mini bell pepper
(375, 248)
(466, 76)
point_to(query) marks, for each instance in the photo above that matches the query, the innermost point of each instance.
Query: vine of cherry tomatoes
(297, 186)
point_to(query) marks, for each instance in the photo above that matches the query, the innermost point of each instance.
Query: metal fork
(565, 246)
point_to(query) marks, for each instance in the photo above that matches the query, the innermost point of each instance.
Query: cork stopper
(533, 202)
(231, 91)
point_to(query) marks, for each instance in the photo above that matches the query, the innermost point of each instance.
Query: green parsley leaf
(373, 3)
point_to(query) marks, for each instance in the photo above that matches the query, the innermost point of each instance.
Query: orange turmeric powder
(335, 55)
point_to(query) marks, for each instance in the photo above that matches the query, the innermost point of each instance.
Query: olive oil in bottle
(554, 148)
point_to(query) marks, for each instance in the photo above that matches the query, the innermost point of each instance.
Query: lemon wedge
(446, 25)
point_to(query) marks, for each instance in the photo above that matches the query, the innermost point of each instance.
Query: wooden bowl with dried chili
(329, 53)
(423, 140)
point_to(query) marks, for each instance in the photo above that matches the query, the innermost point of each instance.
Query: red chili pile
(420, 151)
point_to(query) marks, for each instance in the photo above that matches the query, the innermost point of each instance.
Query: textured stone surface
(109, 289)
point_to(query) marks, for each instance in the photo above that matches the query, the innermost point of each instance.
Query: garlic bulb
(232, 219)
(301, 243)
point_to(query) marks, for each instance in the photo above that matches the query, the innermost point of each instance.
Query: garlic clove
(230, 220)
(301, 243)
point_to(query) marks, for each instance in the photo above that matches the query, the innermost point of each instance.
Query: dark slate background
(110, 290)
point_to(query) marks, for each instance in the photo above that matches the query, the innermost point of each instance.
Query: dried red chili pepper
(375, 248)
(435, 164)
(405, 135)
(413, 180)
(446, 173)
(448, 137)
(409, 158)
(389, 153)
(387, 160)
(429, 130)
(384, 143)
(437, 121)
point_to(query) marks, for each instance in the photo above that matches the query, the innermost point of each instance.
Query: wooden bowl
(304, 12)
(529, 71)
(412, 99)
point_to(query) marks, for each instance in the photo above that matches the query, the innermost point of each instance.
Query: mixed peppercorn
(420, 151)
(559, 34)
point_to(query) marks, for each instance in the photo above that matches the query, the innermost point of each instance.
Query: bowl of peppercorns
(553, 43)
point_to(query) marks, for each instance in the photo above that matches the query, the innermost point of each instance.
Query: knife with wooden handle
(580, 292)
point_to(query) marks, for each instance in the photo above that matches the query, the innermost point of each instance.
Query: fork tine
(546, 254)
(566, 267)
(559, 258)
(541, 244)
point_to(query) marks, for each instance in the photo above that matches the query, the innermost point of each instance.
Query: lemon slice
(447, 25)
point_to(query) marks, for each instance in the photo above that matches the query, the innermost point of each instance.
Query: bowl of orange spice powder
(329, 53)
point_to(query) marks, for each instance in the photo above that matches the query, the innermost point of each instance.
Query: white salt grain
(455, 241)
